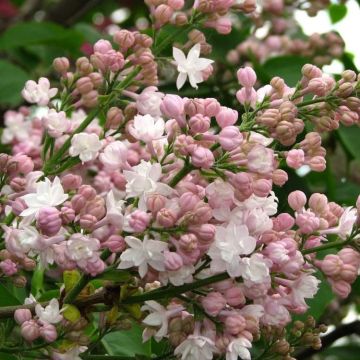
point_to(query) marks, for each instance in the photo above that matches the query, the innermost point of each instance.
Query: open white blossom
(47, 194)
(55, 123)
(147, 128)
(38, 93)
(196, 347)
(81, 248)
(50, 314)
(15, 127)
(190, 66)
(86, 146)
(239, 348)
(230, 242)
(254, 268)
(114, 156)
(72, 354)
(144, 180)
(142, 254)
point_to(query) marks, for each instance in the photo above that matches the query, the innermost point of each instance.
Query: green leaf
(348, 352)
(127, 343)
(8, 295)
(35, 33)
(287, 67)
(115, 275)
(13, 79)
(6, 356)
(89, 33)
(350, 138)
(337, 12)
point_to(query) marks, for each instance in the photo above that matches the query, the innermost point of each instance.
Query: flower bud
(173, 261)
(155, 202)
(8, 267)
(172, 106)
(22, 315)
(61, 65)
(71, 182)
(297, 200)
(235, 324)
(199, 124)
(30, 330)
(48, 221)
(202, 158)
(48, 332)
(116, 243)
(213, 303)
(114, 118)
(234, 296)
(230, 138)
(139, 220)
(246, 77)
(125, 39)
(166, 217)
(226, 117)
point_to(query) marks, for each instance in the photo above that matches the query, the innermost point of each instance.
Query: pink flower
(295, 158)
(260, 159)
(38, 93)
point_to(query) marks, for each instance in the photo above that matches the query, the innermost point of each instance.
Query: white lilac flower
(55, 123)
(22, 240)
(115, 207)
(254, 268)
(144, 180)
(15, 127)
(114, 156)
(196, 347)
(230, 242)
(72, 354)
(142, 254)
(51, 314)
(190, 66)
(149, 101)
(147, 128)
(238, 348)
(47, 194)
(86, 146)
(38, 93)
(80, 248)
(179, 277)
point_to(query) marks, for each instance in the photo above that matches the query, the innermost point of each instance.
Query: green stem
(175, 290)
(316, 100)
(181, 174)
(76, 290)
(329, 245)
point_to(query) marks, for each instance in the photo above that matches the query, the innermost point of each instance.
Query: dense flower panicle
(174, 199)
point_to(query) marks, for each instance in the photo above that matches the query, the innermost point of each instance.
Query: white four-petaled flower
(38, 93)
(147, 128)
(142, 254)
(47, 194)
(86, 146)
(51, 314)
(191, 66)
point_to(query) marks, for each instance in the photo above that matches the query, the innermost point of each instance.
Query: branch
(327, 340)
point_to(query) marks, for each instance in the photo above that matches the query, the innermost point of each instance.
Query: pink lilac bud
(18, 184)
(279, 177)
(71, 182)
(67, 215)
(84, 85)
(116, 243)
(297, 200)
(246, 96)
(230, 138)
(246, 77)
(295, 158)
(317, 163)
(211, 107)
(235, 324)
(48, 332)
(172, 106)
(349, 273)
(262, 187)
(8, 267)
(176, 4)
(226, 117)
(61, 65)
(188, 201)
(155, 202)
(22, 315)
(24, 163)
(78, 202)
(166, 217)
(30, 330)
(88, 221)
(124, 38)
(283, 222)
(199, 124)
(318, 203)
(173, 261)
(163, 14)
(350, 256)
(202, 213)
(87, 192)
(213, 303)
(188, 242)
(234, 296)
(341, 288)
(139, 220)
(102, 46)
(331, 265)
(205, 232)
(307, 222)
(18, 206)
(48, 221)
(202, 158)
